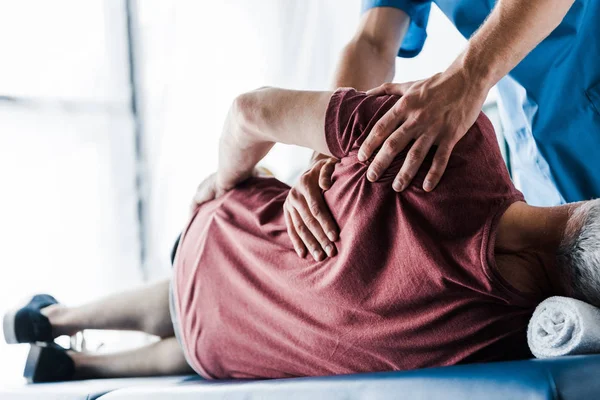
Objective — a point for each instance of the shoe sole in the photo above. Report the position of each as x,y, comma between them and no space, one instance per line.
48,363
31,364
8,325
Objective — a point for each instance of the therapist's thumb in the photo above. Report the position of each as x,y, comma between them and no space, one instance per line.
390,88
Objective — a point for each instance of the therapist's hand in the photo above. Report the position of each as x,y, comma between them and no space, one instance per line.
309,221
435,111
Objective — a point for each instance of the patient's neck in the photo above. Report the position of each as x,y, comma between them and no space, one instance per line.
527,242
528,228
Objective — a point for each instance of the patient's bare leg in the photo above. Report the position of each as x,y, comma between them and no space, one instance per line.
164,357
143,309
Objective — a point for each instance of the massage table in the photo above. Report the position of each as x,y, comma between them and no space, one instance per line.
564,378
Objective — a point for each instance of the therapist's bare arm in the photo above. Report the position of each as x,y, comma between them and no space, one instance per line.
366,61
439,110
369,58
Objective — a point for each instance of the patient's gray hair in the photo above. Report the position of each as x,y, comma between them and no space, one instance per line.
579,252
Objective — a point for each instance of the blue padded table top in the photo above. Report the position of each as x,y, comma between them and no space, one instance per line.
565,378
78,390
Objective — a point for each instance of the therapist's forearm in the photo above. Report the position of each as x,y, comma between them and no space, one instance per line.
369,59
363,65
513,29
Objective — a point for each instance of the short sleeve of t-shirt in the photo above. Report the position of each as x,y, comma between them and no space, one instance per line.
350,117
418,11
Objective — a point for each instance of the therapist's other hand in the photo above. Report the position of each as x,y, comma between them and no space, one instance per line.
308,219
435,111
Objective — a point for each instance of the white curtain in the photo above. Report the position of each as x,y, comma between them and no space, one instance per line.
68,223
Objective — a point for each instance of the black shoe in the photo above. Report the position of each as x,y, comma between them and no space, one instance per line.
49,363
27,324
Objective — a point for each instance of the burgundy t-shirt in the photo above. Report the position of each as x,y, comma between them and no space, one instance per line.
413,284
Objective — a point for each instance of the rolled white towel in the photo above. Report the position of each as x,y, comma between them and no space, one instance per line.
564,326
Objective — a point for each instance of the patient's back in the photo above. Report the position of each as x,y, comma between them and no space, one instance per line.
413,284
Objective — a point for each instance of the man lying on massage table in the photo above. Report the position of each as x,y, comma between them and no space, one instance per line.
414,280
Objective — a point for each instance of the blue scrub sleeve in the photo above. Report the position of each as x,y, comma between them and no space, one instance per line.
418,11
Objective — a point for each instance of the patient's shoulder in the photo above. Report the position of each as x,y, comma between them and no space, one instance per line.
350,117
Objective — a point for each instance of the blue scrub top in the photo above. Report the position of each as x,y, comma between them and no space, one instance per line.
551,100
